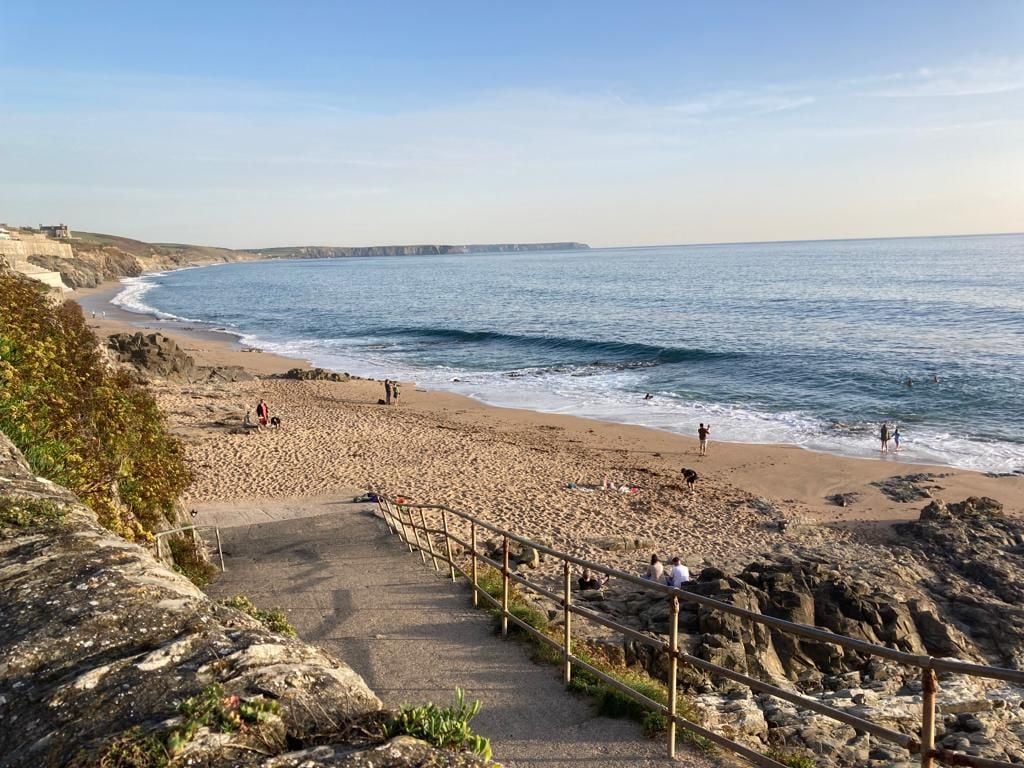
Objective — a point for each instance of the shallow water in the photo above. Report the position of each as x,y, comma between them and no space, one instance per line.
808,343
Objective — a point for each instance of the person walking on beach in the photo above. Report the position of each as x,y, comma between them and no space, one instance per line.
883,435
702,434
394,392
387,391
263,412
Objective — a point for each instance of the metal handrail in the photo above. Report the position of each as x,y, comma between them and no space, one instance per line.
220,549
399,519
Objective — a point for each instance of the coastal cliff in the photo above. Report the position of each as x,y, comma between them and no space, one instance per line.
332,252
109,658
88,259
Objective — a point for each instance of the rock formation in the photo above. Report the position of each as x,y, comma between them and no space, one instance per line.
154,355
101,646
952,588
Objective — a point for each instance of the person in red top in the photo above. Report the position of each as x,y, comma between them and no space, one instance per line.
263,412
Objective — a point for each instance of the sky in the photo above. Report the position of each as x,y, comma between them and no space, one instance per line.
252,124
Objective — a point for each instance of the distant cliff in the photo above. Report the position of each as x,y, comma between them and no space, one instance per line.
88,259
338,252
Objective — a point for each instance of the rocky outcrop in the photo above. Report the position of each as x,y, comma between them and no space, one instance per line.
154,355
976,557
314,374
953,587
104,649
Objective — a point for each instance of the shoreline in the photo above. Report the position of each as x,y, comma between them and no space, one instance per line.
512,465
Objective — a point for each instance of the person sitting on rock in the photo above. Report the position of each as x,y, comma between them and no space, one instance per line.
679,574
590,581
655,571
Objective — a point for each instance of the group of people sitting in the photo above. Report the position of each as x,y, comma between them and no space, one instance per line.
677,575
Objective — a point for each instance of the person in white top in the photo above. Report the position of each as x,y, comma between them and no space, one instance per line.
679,574
655,571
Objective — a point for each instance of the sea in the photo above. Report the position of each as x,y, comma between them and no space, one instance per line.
812,344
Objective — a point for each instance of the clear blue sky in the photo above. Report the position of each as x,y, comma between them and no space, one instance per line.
258,124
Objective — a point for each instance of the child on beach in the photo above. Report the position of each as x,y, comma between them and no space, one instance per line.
394,392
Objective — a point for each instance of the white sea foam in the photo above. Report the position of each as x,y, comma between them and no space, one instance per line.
614,397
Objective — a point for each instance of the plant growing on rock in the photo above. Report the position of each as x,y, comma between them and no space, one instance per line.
77,422
447,728
273,619
212,709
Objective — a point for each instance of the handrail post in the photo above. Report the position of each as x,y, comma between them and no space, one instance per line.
448,543
405,531
673,671
382,506
504,587
416,533
430,539
567,623
472,545
930,687
220,551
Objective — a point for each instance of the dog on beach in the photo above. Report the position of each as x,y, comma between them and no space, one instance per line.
690,477
275,422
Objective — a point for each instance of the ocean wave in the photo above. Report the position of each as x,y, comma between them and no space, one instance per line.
635,354
131,296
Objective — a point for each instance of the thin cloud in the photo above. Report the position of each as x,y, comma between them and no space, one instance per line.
948,82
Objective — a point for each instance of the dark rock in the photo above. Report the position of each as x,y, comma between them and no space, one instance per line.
152,354
905,488
843,499
314,374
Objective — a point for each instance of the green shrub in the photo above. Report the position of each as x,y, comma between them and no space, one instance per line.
446,728
189,561
273,619
30,513
78,423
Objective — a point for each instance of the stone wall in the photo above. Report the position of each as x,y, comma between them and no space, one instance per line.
101,643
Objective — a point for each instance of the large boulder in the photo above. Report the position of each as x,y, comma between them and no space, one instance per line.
153,355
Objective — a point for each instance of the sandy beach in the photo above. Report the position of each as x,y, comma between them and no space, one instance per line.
513,466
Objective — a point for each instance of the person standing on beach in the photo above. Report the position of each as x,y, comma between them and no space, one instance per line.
387,391
263,412
394,391
883,435
896,438
702,434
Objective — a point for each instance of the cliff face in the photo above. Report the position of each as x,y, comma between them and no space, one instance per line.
101,645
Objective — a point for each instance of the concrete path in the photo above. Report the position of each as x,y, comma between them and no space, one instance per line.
349,586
